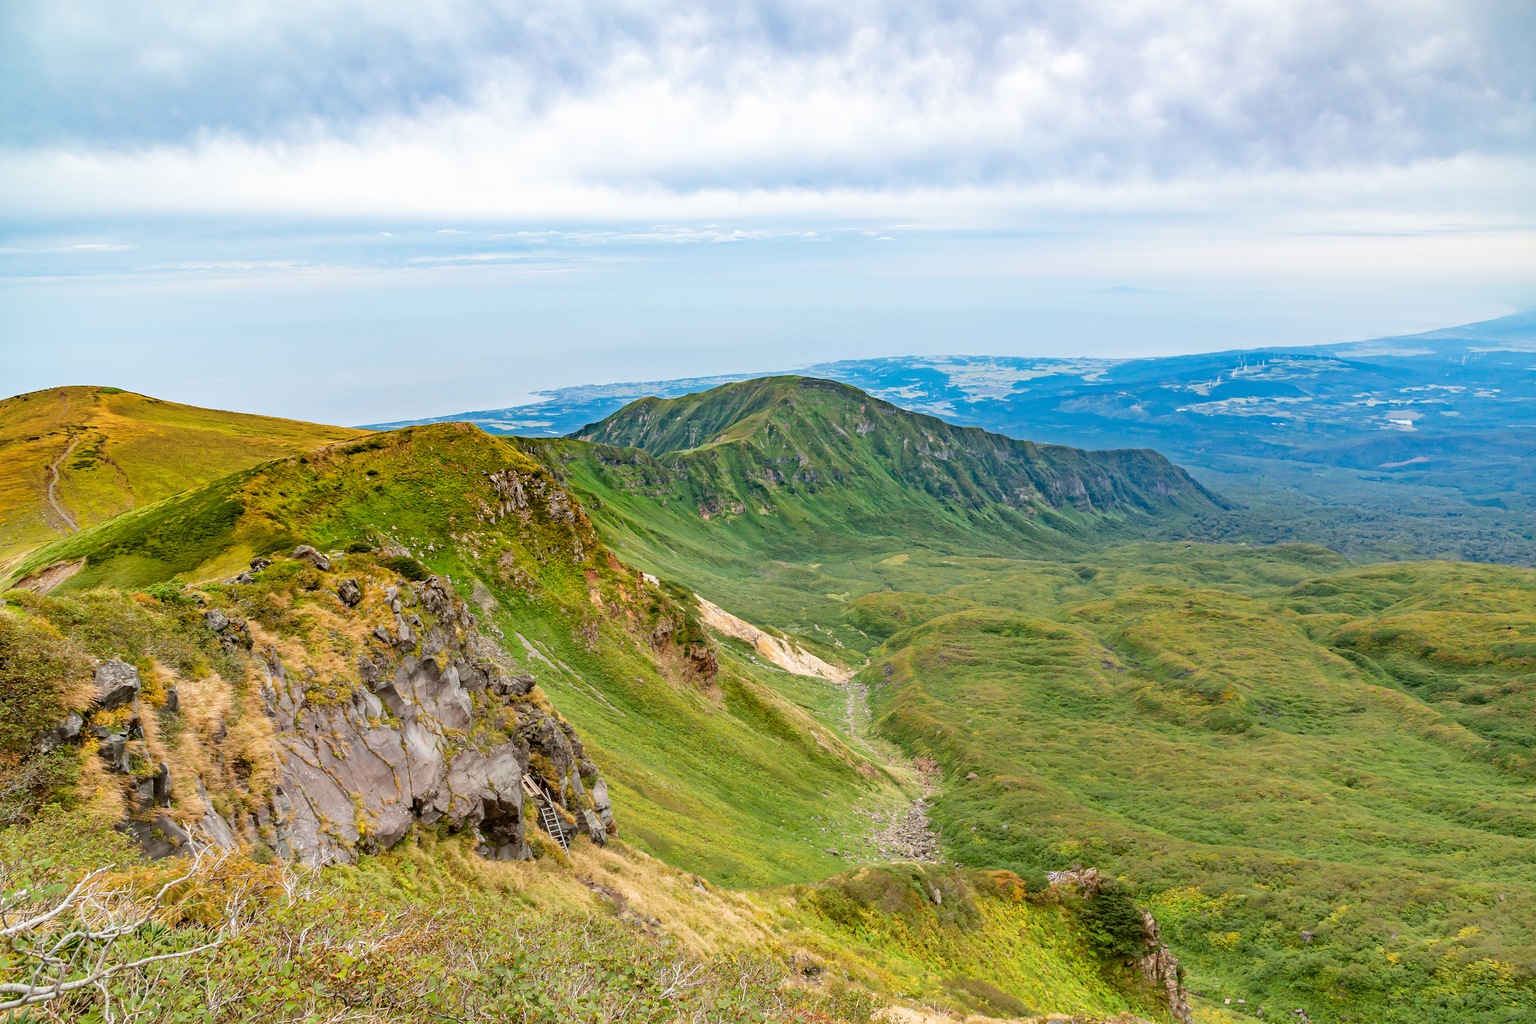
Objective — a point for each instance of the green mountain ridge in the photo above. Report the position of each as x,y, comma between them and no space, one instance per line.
777,432
1319,776
716,488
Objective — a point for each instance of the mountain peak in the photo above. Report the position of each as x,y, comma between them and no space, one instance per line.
761,443
729,412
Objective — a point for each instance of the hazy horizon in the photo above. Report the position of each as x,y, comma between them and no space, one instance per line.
369,212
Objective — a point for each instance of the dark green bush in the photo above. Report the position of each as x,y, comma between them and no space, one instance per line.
406,566
1113,923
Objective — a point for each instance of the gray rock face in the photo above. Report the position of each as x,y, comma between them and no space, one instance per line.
313,557
159,837
401,765
602,804
436,731
117,684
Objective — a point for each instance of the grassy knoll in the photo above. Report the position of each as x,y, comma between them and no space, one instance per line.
124,451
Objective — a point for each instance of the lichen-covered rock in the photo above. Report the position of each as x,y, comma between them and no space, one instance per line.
117,685
350,592
66,732
1160,968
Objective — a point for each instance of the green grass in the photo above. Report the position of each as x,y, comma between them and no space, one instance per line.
1265,731
129,451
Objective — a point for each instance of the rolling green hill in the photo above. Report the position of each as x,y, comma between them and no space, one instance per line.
74,456
1320,776
717,488
715,764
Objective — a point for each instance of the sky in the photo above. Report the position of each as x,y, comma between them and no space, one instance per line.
365,211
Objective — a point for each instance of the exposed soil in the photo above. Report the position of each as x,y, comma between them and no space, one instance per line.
53,482
904,833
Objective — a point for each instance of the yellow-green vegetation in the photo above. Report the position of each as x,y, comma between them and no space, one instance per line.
966,942
721,773
429,930
113,450
1318,775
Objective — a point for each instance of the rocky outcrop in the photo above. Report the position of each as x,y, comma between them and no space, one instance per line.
434,731
308,554
430,724
1160,968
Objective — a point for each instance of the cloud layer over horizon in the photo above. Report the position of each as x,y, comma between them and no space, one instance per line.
340,142
460,108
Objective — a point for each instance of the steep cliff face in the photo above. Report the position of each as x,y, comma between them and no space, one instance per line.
440,729
345,710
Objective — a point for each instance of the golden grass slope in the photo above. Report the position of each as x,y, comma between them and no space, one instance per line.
115,450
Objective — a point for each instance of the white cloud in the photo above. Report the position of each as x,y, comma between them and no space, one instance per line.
618,112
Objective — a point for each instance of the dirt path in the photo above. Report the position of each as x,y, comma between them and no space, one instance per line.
53,482
903,833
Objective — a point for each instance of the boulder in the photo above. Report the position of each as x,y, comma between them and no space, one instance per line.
308,554
216,620
258,563
117,684
67,731
513,686
350,592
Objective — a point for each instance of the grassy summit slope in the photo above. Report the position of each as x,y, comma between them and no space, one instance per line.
722,774
115,450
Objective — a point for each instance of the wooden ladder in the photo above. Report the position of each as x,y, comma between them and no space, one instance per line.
549,821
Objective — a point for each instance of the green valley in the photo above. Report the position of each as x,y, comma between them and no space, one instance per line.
969,722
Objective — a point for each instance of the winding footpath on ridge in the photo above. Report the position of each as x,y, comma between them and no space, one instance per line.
53,481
